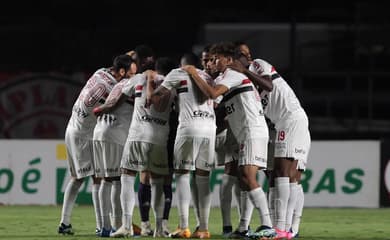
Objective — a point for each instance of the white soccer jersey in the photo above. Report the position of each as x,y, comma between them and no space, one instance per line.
147,125
242,105
97,88
281,104
195,112
114,126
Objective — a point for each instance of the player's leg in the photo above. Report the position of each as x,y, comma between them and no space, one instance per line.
144,201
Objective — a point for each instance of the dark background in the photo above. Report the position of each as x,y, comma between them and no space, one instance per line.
345,98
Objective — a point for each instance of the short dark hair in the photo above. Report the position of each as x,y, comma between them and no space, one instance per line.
164,65
122,61
191,58
143,51
227,49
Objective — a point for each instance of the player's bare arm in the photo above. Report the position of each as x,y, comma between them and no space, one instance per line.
110,104
209,91
263,82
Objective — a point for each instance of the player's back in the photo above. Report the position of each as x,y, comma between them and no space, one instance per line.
94,92
148,124
195,110
114,126
281,104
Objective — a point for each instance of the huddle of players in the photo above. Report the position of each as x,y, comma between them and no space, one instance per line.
220,109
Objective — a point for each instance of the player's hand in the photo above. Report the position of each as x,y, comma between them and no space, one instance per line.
97,111
190,69
237,66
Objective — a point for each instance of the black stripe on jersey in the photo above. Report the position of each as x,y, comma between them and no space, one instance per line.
275,76
227,97
138,94
181,90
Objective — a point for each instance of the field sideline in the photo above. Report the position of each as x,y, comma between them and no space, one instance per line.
40,222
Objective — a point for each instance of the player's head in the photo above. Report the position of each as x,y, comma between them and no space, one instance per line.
164,65
123,66
208,63
190,59
224,54
144,55
243,48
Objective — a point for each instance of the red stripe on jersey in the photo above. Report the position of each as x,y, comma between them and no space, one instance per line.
183,82
138,88
273,69
246,81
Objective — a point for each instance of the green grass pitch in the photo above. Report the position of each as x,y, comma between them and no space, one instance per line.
40,222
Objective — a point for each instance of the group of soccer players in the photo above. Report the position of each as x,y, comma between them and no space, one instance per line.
156,119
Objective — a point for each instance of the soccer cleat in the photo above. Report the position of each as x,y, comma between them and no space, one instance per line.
122,232
281,234
181,233
238,235
97,232
136,230
200,234
165,228
146,229
293,234
160,234
65,229
226,231
105,232
262,232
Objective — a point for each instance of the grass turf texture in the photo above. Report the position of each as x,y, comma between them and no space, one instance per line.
41,222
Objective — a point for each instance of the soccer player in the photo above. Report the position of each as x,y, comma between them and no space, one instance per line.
109,137
292,142
145,149
246,119
79,134
194,145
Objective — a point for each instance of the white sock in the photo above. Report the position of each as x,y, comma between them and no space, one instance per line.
282,189
195,199
157,200
70,194
296,220
203,185
105,203
127,199
292,202
237,195
225,198
183,198
116,204
271,204
246,209
96,205
259,201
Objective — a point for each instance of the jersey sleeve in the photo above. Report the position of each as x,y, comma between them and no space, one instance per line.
229,79
172,80
129,88
262,67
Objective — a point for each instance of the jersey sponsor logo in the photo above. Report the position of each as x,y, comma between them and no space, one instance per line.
151,119
302,151
260,159
203,114
183,82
